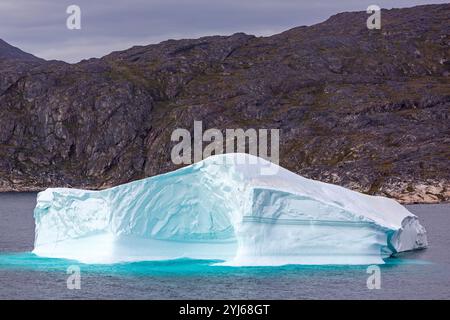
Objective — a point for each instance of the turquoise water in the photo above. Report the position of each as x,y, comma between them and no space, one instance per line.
420,274
30,276
180,267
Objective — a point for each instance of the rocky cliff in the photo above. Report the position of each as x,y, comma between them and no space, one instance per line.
366,109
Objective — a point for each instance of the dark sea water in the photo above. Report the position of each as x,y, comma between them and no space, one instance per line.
423,274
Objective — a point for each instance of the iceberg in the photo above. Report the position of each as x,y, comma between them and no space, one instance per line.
225,208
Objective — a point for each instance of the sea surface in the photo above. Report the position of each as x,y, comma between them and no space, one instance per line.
423,274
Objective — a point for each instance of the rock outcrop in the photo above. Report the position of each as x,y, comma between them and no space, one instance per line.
365,109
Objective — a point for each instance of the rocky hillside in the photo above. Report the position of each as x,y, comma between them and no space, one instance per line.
366,109
8,52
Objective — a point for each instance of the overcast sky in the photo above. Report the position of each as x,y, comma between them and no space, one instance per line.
39,26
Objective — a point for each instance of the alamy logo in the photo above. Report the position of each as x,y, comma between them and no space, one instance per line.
374,21
374,280
188,150
74,278
73,22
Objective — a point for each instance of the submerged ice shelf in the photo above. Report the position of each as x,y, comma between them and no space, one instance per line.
235,207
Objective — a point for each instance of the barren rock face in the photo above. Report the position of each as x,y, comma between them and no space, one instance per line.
366,109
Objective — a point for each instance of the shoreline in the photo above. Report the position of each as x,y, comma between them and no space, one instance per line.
37,190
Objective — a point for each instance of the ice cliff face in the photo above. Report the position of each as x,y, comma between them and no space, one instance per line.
224,208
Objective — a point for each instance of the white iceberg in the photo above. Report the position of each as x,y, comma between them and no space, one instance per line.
223,208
